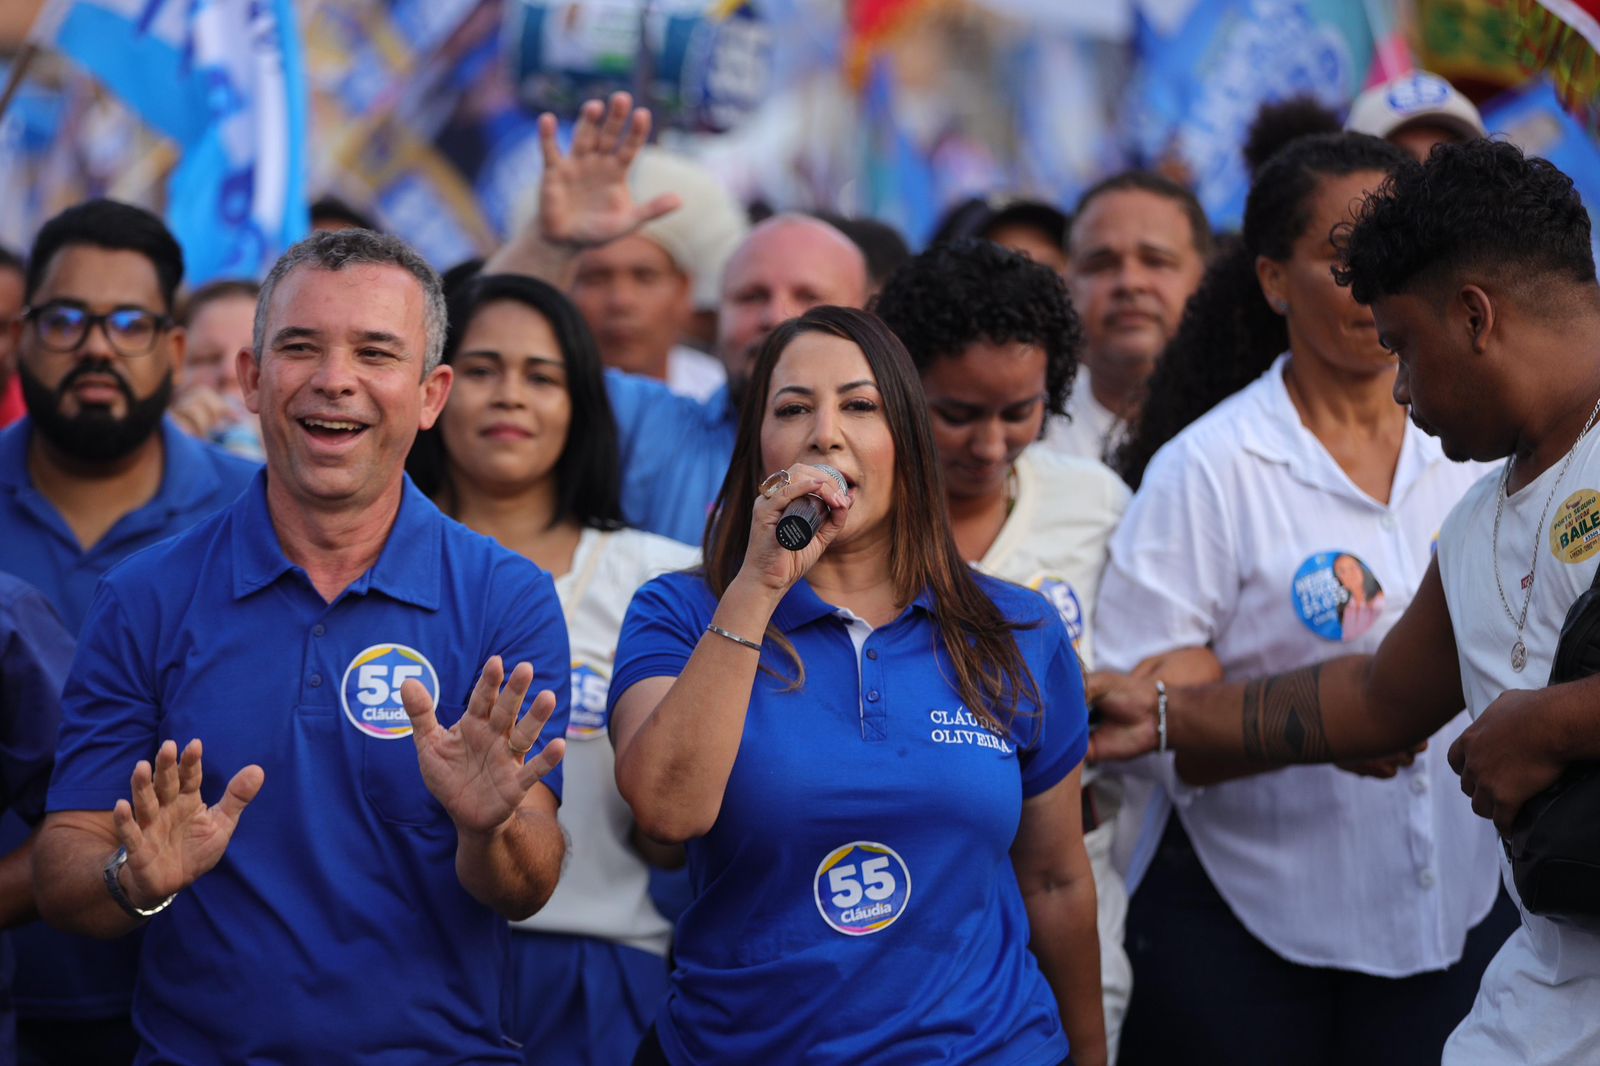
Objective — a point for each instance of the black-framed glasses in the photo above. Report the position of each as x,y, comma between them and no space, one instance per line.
132,331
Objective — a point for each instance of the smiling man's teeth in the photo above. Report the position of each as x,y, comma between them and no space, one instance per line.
322,423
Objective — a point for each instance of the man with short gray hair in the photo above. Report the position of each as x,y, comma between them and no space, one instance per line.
356,913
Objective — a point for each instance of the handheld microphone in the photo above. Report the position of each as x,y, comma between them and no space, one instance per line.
802,518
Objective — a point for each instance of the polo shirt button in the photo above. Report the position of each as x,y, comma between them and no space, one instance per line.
1419,784
1388,522
872,653
872,697
316,680
1425,879
318,629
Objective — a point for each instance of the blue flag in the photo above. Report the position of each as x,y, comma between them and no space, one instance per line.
224,80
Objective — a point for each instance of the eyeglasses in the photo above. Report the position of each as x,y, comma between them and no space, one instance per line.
132,331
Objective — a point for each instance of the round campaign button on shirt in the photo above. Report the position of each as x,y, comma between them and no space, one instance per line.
587,719
1337,596
370,691
862,888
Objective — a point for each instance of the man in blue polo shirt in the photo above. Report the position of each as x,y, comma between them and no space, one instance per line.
93,474
355,912
34,652
675,449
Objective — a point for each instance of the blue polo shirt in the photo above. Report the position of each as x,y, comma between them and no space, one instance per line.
855,900
34,652
196,481
67,976
334,929
675,453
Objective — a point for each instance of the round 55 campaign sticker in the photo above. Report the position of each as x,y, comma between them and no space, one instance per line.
862,888
370,691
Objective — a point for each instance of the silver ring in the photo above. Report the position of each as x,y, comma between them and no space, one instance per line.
775,483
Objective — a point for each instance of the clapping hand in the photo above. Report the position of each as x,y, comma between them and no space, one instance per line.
476,768
172,836
584,198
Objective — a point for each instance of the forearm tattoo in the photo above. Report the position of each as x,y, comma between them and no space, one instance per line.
1283,718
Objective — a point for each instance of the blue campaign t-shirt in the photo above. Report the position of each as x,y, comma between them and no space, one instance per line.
855,900
60,975
334,928
675,453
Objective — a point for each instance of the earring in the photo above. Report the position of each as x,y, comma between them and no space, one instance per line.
1281,306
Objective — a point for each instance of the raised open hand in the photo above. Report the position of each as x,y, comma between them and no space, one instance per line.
476,768
172,836
584,198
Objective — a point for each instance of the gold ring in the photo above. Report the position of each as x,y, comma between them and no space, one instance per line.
775,483
521,753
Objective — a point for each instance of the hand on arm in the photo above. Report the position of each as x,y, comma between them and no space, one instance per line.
1057,886
509,845
584,199
1348,708
173,839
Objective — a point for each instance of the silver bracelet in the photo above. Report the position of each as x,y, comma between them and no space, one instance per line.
736,638
1161,716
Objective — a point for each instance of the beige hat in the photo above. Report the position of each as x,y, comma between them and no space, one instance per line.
701,235
1418,97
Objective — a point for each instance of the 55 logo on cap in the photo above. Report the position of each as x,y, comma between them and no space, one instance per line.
370,692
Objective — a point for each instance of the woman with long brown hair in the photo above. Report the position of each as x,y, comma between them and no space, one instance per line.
872,753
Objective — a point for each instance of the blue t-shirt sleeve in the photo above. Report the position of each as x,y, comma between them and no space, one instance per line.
533,630
1061,737
35,653
109,717
659,633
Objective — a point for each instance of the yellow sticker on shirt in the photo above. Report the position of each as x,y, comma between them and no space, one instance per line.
1575,527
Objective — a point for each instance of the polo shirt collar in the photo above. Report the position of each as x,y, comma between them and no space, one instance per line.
189,480
1271,428
407,569
801,606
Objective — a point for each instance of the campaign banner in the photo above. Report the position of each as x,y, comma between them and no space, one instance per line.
1200,79
223,80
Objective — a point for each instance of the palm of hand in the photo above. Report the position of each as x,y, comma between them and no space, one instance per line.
585,201
185,839
472,772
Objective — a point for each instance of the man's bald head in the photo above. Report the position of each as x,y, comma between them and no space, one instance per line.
787,264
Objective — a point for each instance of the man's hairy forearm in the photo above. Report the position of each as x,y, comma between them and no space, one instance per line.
1282,718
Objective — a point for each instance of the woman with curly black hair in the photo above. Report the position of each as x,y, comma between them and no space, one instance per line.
995,341
1285,515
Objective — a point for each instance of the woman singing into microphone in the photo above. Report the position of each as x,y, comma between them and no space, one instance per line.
872,753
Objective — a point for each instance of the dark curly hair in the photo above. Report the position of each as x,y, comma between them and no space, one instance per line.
1282,121
1483,205
969,291
1228,335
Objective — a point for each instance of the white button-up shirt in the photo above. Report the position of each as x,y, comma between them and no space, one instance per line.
1539,1002
1248,536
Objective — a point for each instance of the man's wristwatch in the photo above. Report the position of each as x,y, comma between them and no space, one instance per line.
114,867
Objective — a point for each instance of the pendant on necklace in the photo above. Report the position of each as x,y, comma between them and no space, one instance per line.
1519,656
1527,579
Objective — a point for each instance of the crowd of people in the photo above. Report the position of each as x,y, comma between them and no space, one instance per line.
400,666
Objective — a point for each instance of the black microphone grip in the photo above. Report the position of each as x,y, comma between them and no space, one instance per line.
802,518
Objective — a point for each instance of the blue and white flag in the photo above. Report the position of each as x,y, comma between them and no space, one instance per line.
224,80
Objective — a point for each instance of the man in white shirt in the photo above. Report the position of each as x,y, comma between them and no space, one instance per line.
1478,270
1136,253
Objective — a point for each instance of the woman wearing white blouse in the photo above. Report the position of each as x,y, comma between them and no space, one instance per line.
1308,915
525,451
995,341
